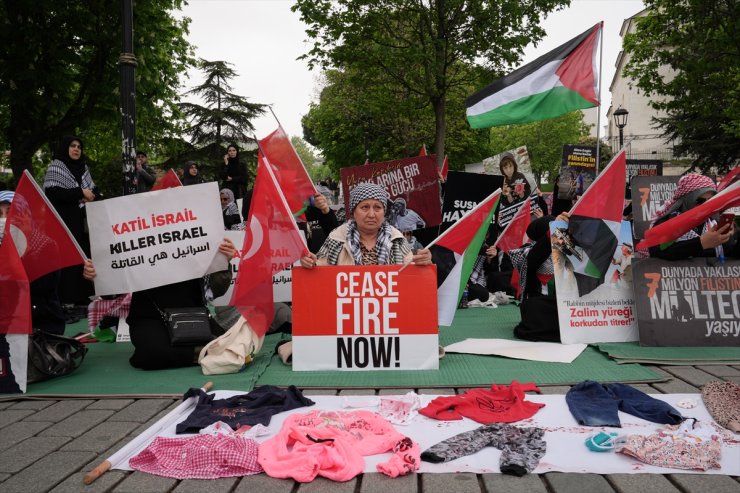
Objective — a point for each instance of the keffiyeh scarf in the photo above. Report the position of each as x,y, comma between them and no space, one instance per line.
58,175
382,244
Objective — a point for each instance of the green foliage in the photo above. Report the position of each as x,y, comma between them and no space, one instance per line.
59,75
544,140
700,42
421,53
224,117
361,110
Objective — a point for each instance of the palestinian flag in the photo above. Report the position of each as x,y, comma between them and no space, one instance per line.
455,251
561,81
594,225
169,180
514,234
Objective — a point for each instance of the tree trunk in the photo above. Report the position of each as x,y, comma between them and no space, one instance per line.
440,128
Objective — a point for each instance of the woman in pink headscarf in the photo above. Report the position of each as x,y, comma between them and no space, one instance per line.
706,240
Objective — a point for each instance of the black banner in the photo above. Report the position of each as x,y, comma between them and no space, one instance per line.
693,302
644,167
649,193
463,192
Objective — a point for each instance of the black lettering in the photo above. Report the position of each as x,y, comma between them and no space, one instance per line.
362,358
381,348
344,352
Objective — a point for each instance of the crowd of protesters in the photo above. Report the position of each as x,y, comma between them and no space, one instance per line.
367,237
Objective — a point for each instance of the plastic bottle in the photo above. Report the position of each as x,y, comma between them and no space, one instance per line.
464,300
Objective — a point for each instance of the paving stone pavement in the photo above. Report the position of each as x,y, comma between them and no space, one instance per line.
47,445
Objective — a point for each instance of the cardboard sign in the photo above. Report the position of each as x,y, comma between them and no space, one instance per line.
607,313
582,162
649,193
693,302
518,184
355,318
413,186
282,282
644,167
156,238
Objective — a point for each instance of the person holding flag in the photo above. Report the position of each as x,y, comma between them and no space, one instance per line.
705,240
366,239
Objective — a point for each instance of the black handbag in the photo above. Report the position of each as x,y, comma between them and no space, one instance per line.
189,326
51,355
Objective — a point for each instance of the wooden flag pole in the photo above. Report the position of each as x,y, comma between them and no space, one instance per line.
144,438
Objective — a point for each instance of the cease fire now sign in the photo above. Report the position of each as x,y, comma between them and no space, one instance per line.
354,318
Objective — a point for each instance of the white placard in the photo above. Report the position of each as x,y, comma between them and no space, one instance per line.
156,238
282,282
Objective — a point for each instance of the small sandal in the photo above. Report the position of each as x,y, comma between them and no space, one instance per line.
603,442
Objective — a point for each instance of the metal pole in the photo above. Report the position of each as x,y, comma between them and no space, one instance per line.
621,138
598,111
127,66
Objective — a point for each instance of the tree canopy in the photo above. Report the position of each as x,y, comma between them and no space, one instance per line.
59,73
700,42
425,48
224,117
544,140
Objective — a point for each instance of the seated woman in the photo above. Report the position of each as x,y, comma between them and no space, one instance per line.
533,261
706,240
366,239
149,335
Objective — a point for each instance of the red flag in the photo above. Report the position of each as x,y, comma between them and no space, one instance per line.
15,293
515,233
445,168
604,199
42,239
169,180
423,150
676,227
272,243
289,170
729,178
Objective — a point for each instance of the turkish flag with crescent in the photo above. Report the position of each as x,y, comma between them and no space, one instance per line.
272,243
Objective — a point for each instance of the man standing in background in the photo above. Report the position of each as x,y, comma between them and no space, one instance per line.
145,176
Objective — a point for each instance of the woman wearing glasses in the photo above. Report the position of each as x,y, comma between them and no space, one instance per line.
69,186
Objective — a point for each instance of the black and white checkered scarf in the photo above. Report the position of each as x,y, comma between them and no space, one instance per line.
382,244
518,258
58,175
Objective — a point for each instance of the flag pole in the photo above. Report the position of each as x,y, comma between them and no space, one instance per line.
598,112
145,437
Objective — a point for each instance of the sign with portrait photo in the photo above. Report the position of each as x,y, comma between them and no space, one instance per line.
519,183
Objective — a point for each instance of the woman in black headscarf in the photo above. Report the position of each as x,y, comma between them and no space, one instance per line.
234,174
69,186
191,175
534,262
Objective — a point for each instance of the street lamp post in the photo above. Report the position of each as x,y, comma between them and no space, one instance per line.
127,66
620,120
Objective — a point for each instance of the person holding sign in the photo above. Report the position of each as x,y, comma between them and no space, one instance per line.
366,239
516,187
153,349
707,240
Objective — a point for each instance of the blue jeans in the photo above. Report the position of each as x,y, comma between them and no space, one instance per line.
596,404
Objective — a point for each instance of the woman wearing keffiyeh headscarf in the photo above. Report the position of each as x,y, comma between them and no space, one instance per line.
229,209
366,239
69,186
706,240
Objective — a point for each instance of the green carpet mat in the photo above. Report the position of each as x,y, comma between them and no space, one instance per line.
106,371
632,352
466,370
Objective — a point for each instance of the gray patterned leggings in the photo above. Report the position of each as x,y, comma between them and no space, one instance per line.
521,448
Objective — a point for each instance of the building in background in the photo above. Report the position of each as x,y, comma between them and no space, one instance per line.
641,139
